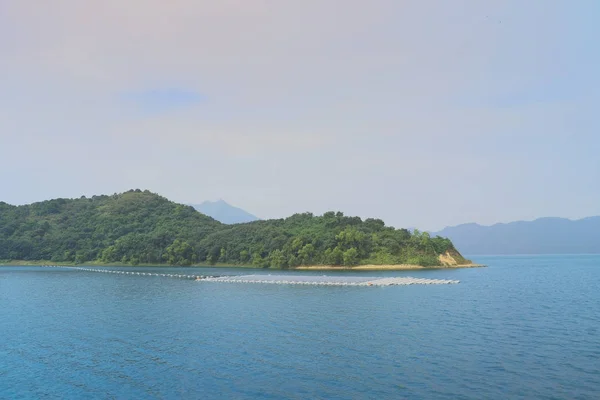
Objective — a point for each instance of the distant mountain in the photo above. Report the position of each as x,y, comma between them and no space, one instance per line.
224,212
542,236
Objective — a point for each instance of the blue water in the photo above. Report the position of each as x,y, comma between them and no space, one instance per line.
525,327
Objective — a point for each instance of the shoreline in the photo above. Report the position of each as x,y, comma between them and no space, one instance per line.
373,267
368,267
26,263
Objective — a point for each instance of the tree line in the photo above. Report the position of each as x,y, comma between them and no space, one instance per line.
141,227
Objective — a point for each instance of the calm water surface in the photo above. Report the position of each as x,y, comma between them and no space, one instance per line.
525,327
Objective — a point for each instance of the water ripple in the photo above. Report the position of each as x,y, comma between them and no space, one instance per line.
525,327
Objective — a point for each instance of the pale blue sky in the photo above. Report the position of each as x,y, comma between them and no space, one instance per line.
161,100
423,113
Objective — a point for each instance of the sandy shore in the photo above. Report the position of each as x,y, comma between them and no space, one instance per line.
398,267
370,267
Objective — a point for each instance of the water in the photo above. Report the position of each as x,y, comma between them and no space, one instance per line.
525,327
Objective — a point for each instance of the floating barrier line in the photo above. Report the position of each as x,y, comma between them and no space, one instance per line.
112,271
313,280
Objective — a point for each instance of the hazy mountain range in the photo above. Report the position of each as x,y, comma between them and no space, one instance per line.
224,212
542,236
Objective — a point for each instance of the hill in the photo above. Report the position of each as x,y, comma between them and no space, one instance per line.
542,236
330,239
131,227
142,227
224,212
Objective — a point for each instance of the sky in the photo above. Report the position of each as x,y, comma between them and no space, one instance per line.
423,113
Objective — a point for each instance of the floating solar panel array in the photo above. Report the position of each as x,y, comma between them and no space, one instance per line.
329,280
318,280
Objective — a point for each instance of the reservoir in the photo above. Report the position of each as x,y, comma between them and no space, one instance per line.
524,327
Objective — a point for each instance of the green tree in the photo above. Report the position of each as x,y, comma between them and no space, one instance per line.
277,259
109,255
79,258
335,257
244,256
258,260
293,261
351,257
353,238
306,254
179,253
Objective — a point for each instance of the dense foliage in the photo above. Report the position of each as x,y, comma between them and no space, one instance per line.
142,227
131,227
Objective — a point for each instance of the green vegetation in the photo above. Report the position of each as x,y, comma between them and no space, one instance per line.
143,228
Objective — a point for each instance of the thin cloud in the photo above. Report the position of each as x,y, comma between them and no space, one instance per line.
154,101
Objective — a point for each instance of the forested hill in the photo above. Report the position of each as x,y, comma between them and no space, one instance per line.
142,227
130,227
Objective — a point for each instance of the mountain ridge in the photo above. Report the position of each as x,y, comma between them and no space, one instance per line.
225,212
545,235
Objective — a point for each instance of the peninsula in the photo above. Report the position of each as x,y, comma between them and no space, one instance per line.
139,227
